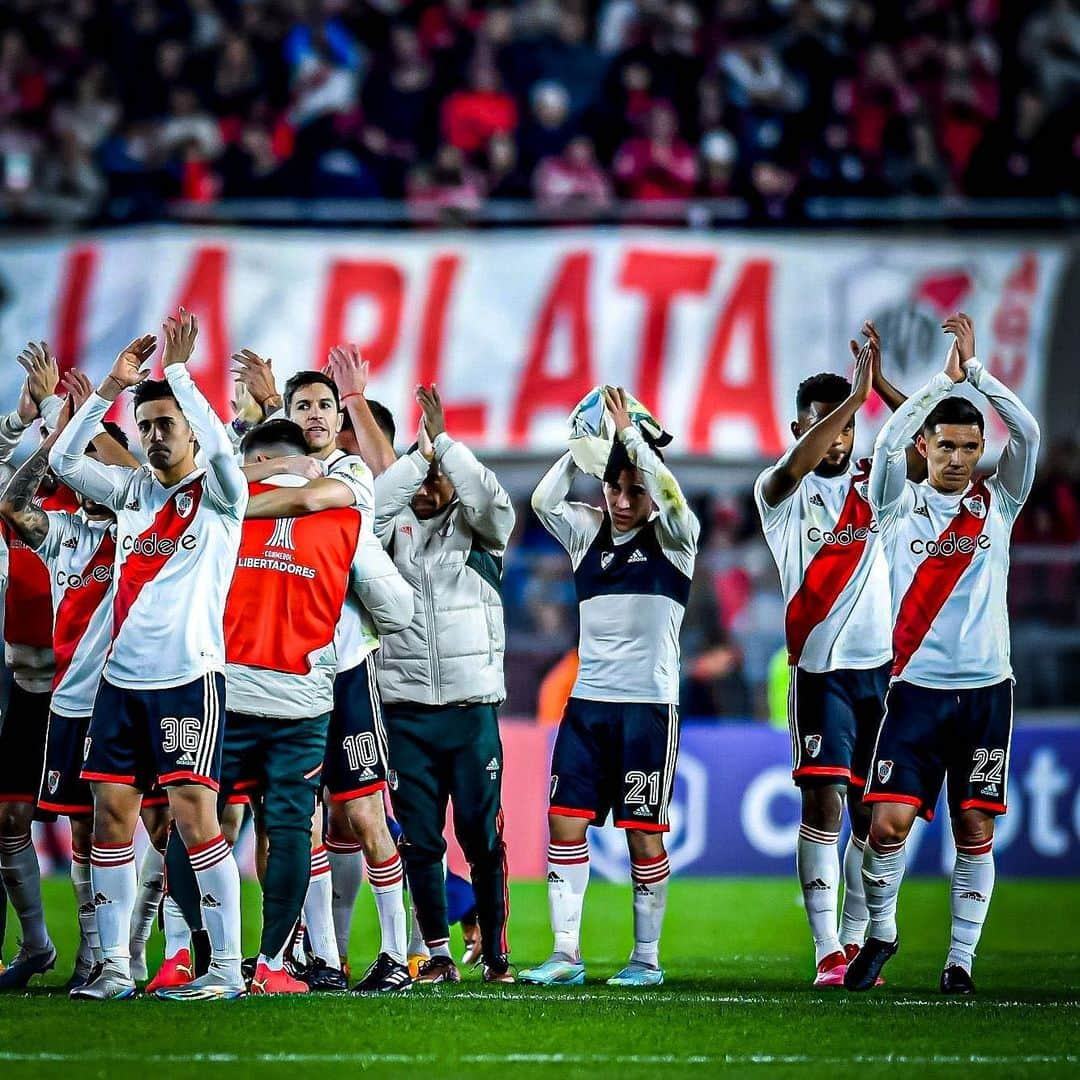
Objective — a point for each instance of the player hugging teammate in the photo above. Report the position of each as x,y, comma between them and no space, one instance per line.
303,622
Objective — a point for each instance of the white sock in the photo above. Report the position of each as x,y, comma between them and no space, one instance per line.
417,944
22,879
112,875
346,876
177,931
319,910
274,963
568,877
650,878
972,887
388,887
882,871
219,898
90,940
853,915
147,899
818,866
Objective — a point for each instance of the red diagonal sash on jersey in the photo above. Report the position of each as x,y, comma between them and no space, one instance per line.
139,569
828,572
934,582
74,612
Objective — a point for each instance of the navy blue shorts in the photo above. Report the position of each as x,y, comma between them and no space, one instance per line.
833,720
356,749
22,744
927,735
618,758
62,789
168,736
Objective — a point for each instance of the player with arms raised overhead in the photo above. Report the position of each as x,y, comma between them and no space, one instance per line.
816,516
160,710
619,738
949,705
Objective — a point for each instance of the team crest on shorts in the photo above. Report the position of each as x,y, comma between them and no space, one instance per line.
86,748
184,504
813,745
605,559
392,779
976,506
884,771
54,781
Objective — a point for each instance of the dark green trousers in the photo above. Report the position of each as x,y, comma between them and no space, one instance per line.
280,762
438,755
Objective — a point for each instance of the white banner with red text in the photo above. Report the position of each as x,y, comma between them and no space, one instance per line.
712,332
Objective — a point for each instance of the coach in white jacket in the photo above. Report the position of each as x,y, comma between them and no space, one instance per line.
445,521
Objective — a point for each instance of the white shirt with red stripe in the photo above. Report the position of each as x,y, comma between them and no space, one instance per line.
948,554
835,582
80,555
176,546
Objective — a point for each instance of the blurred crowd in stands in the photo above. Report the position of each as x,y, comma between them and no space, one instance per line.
733,635
572,103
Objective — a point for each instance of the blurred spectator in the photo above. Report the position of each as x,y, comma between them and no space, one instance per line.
573,179
449,188
659,165
473,115
1050,43
719,156
399,99
505,178
548,128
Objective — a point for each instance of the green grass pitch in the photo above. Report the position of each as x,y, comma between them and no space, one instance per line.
737,1001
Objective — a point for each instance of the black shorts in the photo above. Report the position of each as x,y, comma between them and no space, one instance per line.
356,750
927,735
167,736
62,789
615,757
22,745
833,720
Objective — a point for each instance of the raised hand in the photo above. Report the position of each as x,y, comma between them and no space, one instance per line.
423,441
615,400
349,372
42,375
962,327
257,375
432,407
862,380
244,406
127,369
180,334
77,387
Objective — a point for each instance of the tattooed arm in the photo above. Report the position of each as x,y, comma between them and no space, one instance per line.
27,521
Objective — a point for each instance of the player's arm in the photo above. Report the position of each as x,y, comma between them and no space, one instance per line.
297,465
484,501
225,482
323,493
350,374
395,488
573,524
105,484
788,473
376,583
29,523
42,375
888,473
893,398
1016,466
676,517
78,389
256,375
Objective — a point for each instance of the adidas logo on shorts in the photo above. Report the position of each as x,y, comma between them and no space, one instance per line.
642,811
367,774
185,759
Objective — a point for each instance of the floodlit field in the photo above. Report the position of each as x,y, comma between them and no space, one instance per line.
737,1001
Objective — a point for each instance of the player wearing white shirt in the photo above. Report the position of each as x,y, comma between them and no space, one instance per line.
159,712
949,705
618,741
816,516
355,771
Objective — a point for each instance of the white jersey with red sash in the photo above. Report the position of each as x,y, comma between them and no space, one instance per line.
948,557
286,598
835,582
80,555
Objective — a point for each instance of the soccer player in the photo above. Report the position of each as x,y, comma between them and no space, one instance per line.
28,653
619,738
817,520
159,711
355,772
949,706
78,550
446,521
